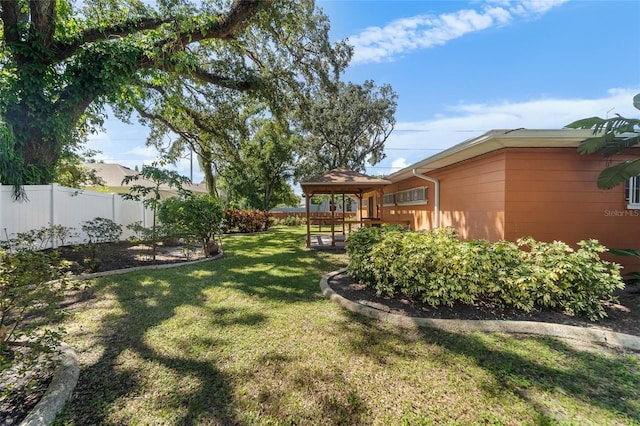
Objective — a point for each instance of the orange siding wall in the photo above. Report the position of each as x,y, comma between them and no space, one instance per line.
472,196
551,194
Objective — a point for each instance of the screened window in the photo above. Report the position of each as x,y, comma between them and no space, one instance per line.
389,199
411,196
633,192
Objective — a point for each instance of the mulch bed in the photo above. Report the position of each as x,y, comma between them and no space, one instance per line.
622,317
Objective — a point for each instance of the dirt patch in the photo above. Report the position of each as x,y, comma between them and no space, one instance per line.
622,317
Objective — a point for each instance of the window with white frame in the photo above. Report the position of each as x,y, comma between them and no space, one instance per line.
408,197
389,199
633,192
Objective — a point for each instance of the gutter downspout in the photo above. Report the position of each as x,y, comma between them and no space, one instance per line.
436,204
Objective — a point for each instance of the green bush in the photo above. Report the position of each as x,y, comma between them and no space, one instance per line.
291,221
100,230
246,220
198,217
40,239
437,268
29,301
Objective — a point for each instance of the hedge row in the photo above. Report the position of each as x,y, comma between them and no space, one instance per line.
437,268
246,220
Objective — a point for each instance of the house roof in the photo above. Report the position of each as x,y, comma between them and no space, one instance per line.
341,180
494,140
113,174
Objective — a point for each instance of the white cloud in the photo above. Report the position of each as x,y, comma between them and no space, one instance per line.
376,44
411,142
398,164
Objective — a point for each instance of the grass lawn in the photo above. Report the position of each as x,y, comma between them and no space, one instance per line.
249,340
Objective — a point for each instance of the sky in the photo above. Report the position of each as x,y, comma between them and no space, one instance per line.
462,68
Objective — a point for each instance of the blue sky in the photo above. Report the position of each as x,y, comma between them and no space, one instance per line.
461,68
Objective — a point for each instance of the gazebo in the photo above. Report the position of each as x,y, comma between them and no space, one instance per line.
343,182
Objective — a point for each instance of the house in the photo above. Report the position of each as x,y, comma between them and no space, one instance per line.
113,174
506,184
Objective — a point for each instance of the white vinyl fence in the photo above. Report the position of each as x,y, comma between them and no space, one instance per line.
49,205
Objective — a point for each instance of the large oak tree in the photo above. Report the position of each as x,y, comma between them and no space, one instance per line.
61,65
290,53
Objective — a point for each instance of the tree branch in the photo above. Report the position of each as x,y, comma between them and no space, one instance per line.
226,25
218,80
122,29
157,117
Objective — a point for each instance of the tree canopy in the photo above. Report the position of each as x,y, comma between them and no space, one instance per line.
258,176
346,126
61,64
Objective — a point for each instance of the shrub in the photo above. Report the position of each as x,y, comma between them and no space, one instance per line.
144,235
437,268
196,217
42,238
290,221
29,299
100,230
246,220
575,280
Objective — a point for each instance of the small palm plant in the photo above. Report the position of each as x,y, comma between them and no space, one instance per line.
612,136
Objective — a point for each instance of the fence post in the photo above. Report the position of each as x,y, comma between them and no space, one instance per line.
53,216
113,207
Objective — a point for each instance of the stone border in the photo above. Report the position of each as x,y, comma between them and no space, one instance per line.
592,335
64,380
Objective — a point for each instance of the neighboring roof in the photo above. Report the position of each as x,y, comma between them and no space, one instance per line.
341,180
113,174
492,141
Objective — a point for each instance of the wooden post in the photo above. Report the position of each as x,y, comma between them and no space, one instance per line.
344,232
307,201
332,207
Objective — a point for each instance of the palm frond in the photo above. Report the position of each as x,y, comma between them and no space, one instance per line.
619,144
625,252
586,123
614,175
591,145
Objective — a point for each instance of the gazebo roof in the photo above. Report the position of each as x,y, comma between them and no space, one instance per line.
341,181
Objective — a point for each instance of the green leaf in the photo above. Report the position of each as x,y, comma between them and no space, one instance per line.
625,252
591,145
619,144
587,123
614,175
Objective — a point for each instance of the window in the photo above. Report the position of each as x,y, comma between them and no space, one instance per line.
411,196
633,192
389,199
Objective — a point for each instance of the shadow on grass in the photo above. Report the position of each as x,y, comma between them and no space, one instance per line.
269,265
527,367
146,302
